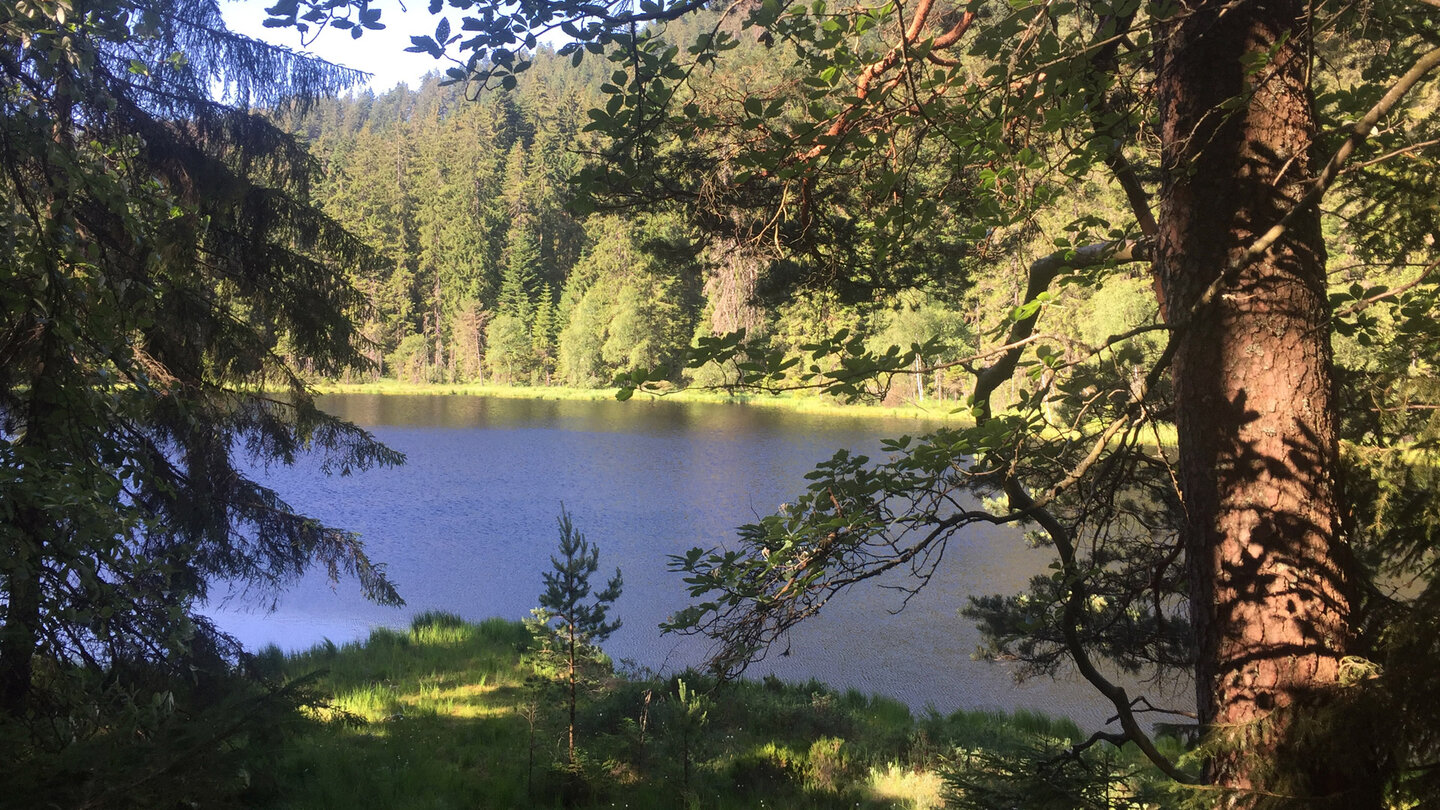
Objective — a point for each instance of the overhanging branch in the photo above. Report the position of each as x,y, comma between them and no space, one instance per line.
1043,271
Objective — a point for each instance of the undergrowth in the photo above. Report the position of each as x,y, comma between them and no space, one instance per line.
447,715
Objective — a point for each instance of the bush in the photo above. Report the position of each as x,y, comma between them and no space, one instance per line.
769,770
828,768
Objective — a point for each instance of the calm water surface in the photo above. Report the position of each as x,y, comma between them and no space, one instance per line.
468,524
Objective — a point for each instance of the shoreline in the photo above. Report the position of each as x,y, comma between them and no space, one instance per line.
462,705
949,411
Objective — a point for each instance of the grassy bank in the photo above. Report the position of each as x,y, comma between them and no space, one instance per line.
799,403
441,716
951,412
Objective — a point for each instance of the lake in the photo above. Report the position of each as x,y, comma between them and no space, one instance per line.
468,526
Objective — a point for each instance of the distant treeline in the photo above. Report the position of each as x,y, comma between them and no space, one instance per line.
485,273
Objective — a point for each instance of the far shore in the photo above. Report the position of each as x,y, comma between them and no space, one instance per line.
949,410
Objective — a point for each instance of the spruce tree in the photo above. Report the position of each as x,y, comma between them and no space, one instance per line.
542,332
519,282
158,246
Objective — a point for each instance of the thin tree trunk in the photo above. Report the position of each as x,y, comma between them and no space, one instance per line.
530,760
20,633
1270,597
44,437
572,696
438,314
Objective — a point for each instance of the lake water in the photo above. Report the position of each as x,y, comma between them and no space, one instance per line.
468,526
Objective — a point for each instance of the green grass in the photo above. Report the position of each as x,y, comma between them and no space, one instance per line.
418,719
435,717
949,411
795,402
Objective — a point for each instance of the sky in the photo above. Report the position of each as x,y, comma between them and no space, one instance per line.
379,52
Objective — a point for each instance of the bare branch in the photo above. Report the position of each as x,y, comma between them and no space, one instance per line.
1405,150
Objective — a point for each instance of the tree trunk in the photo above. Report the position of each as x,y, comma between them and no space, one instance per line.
43,437
572,696
35,530
19,634
1270,595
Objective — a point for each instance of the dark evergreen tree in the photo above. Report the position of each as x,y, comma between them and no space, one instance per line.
158,245
520,283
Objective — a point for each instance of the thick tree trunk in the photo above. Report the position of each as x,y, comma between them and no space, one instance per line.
1270,596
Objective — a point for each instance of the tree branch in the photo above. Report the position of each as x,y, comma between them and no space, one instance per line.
1074,605
1366,303
1404,150
1358,133
865,83
1042,272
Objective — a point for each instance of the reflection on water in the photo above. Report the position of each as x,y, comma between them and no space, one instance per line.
467,526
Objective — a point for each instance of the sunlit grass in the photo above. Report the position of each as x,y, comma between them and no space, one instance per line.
906,787
440,716
424,718
796,402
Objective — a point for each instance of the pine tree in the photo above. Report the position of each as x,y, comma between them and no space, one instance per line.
518,284
570,623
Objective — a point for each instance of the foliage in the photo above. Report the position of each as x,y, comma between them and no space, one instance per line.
463,204
468,204
570,623
884,146
160,251
507,348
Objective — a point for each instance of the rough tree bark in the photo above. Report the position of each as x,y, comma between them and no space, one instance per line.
1270,596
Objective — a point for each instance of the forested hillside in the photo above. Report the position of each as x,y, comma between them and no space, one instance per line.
489,275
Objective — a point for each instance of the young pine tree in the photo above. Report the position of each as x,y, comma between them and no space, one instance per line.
571,622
